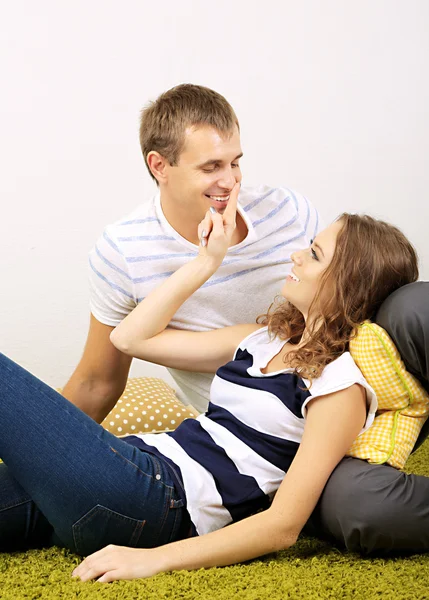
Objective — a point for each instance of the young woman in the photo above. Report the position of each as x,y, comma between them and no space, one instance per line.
286,404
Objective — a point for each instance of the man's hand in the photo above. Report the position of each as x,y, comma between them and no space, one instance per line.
215,231
119,562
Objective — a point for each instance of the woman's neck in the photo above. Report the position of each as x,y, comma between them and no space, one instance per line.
311,325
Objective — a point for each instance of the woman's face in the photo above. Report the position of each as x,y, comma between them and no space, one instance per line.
308,266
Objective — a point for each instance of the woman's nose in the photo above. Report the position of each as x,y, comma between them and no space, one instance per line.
296,258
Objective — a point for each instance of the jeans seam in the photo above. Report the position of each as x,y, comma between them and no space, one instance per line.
175,527
169,489
15,504
167,509
157,464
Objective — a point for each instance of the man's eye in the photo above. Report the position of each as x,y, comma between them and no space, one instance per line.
210,170
235,165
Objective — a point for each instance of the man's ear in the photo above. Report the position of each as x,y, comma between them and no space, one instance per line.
157,165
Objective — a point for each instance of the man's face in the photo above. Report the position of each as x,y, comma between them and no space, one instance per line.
207,170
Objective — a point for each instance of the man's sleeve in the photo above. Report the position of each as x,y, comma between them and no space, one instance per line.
111,286
309,217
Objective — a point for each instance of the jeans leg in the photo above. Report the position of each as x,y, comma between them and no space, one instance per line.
405,317
93,488
22,525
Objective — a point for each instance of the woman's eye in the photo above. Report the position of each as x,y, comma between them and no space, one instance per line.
313,254
235,165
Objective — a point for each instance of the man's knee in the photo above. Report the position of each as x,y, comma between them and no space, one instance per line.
405,317
405,306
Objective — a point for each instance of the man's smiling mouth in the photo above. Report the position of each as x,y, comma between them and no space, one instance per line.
218,198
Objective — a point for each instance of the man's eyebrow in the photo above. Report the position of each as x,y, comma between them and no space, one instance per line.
215,161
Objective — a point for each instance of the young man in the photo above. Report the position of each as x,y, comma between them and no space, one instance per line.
191,145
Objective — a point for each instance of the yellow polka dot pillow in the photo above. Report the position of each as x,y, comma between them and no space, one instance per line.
148,404
403,404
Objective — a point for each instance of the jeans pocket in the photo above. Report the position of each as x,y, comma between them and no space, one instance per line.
102,526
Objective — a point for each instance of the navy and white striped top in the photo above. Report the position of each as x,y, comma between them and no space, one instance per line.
139,252
232,460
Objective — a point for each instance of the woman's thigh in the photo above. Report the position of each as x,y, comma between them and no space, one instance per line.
93,488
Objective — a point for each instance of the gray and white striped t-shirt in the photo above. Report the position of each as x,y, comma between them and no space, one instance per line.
137,253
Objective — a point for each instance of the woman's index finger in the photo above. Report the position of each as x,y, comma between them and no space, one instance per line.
231,209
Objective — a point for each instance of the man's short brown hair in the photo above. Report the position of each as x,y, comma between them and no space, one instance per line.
163,122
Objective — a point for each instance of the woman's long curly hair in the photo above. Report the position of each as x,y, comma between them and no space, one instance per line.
371,260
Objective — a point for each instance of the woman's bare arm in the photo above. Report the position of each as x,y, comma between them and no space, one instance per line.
144,334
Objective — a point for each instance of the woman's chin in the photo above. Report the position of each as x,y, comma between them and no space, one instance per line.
294,302
287,295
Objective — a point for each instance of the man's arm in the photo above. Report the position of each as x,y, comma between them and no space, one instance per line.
101,375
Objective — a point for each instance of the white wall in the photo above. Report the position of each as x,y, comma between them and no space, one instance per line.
332,97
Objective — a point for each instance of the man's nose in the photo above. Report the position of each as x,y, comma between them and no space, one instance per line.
227,179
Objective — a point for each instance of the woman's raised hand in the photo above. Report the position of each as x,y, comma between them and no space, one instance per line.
215,230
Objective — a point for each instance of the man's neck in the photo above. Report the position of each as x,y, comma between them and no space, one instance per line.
188,227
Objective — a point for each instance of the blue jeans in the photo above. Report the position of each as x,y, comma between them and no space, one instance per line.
67,481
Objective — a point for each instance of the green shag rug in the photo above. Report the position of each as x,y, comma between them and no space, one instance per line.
310,570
